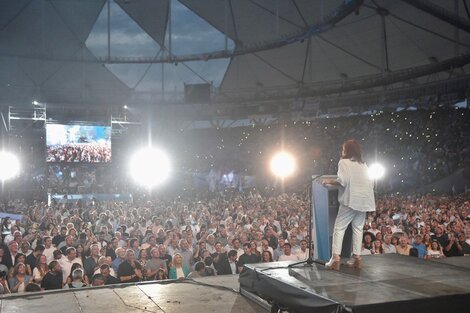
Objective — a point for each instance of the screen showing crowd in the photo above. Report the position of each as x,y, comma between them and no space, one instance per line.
78,143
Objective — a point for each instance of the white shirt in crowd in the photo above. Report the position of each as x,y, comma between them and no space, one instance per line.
233,267
395,229
111,272
227,248
260,250
66,265
302,255
389,248
49,253
291,257
373,231
36,274
366,252
8,239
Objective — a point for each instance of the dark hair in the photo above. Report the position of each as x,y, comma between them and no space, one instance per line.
162,273
208,261
32,287
414,252
69,250
199,266
74,267
270,255
287,244
97,277
133,240
438,244
232,253
52,265
352,150
19,255
39,248
246,244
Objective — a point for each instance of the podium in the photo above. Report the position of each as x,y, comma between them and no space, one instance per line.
324,208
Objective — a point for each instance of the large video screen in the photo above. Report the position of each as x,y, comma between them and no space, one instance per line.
78,143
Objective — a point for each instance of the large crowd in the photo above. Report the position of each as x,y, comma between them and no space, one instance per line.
417,148
69,245
189,234
79,153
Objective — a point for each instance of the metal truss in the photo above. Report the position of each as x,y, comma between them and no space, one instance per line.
326,24
120,123
255,112
441,13
37,113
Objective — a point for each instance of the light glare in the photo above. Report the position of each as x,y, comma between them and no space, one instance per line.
9,165
283,164
376,171
149,167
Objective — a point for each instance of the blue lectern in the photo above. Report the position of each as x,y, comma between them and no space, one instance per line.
324,210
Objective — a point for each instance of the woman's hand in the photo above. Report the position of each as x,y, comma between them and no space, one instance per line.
138,273
332,182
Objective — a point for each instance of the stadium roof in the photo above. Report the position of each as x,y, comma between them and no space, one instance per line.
99,52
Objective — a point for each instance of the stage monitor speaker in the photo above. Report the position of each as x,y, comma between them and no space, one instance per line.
197,93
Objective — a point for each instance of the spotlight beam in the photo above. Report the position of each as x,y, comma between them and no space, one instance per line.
150,167
376,171
9,166
283,164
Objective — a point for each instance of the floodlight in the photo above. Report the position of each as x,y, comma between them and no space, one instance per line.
283,164
376,171
150,167
9,165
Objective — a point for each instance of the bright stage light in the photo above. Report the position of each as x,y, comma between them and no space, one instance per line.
9,165
283,164
376,171
150,167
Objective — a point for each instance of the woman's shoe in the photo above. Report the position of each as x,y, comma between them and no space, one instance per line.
333,264
355,262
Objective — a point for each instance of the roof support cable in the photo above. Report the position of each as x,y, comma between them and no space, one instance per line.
466,8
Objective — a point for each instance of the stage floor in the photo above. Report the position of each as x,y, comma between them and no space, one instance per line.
170,297
386,283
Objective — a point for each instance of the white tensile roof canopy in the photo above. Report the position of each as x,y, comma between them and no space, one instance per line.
99,52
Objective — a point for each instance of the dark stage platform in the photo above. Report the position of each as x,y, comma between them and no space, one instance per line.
386,283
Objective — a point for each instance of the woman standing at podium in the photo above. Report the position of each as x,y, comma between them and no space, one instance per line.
355,197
